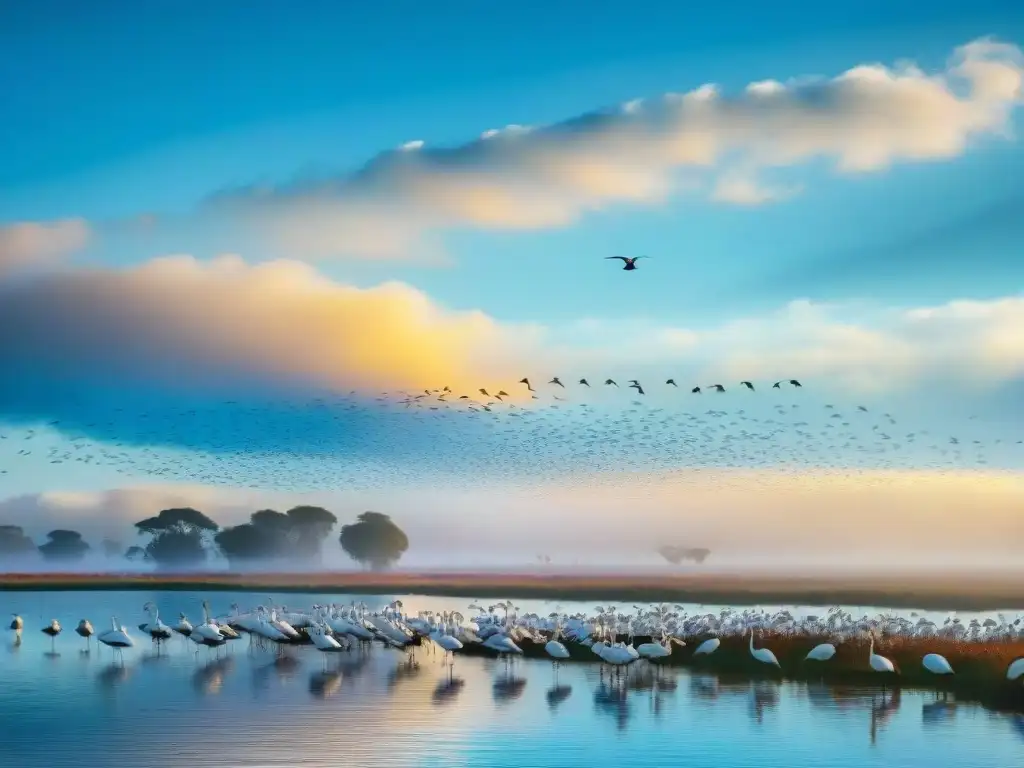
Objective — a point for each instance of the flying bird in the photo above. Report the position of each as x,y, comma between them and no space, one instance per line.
636,385
556,381
748,385
609,381
527,383
672,382
630,262
584,382
716,387
695,390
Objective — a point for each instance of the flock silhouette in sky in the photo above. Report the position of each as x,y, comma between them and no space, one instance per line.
566,434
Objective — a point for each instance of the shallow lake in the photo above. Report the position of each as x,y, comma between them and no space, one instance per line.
242,707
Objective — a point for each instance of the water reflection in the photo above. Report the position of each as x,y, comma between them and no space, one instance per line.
384,711
883,710
508,688
112,675
764,695
612,699
209,678
324,684
447,690
556,694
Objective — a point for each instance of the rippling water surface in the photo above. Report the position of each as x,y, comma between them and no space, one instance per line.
242,707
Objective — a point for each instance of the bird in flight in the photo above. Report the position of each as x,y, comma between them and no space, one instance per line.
672,382
716,387
794,382
608,382
556,381
527,383
695,390
748,385
629,261
584,382
636,385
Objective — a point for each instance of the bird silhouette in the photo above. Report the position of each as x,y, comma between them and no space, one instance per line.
584,382
672,382
636,385
695,390
556,381
630,262
611,382
717,387
527,383
748,385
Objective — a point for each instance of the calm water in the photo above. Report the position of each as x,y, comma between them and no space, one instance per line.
383,708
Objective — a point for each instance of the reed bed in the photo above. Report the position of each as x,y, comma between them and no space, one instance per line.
979,666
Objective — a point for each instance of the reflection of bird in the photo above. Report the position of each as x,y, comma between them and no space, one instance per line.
628,261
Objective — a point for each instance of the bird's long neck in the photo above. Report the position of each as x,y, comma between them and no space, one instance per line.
751,638
871,648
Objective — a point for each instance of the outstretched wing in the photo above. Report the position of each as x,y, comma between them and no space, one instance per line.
618,257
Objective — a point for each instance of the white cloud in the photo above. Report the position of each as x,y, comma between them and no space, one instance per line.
31,244
185,323
863,120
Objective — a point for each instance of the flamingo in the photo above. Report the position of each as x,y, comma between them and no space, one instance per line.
555,649
821,652
116,637
155,628
937,664
764,655
879,663
16,623
84,629
708,647
449,643
1016,669
53,629
183,627
662,650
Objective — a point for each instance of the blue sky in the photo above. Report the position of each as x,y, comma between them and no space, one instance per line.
115,110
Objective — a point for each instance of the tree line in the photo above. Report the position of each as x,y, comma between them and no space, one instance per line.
185,538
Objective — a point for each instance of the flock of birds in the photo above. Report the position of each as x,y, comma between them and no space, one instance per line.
490,436
499,628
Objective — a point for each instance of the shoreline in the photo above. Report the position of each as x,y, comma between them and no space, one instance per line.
947,592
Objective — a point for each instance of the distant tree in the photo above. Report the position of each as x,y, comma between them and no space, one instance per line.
178,536
295,535
311,526
136,554
14,542
250,542
374,540
64,545
676,555
112,548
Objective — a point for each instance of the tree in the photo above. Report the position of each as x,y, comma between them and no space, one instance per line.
374,540
178,536
136,554
112,548
14,542
297,534
64,545
311,525
250,542
676,555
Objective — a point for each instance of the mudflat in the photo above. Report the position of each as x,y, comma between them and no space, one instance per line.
940,592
